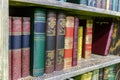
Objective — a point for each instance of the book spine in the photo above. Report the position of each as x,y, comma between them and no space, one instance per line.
98,3
110,5
92,3
101,73
68,42
111,75
62,0
109,39
75,43
118,5
107,5
74,1
88,39
104,4
89,76
25,47
106,72
10,44
16,47
83,2
114,5
50,41
80,40
38,42
116,71
95,75
59,56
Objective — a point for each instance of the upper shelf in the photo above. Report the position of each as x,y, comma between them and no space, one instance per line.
76,9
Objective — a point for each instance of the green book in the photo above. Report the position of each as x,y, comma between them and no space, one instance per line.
38,42
111,75
95,75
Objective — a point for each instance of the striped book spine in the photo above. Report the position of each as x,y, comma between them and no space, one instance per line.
118,5
114,5
104,4
88,39
38,39
80,40
16,47
98,3
50,41
75,42
10,44
111,5
107,5
59,56
83,2
101,73
92,3
68,42
95,75
25,47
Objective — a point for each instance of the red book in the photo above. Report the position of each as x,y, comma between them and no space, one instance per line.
25,47
75,43
88,39
16,47
68,42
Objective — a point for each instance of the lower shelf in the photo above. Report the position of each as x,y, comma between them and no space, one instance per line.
85,65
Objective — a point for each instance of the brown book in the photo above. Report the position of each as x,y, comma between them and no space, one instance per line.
59,59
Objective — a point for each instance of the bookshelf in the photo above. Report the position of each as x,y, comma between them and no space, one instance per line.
95,62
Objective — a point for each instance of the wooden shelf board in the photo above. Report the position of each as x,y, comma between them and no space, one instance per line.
85,65
69,7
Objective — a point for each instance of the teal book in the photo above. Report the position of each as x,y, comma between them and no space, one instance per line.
38,39
111,74
114,5
62,0
118,5
85,2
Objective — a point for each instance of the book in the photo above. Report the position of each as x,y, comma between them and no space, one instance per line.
84,2
86,76
25,46
118,5
50,41
80,41
62,0
106,72
10,45
111,74
101,73
116,71
111,5
102,37
16,47
98,3
114,5
38,41
74,1
91,3
68,45
75,42
60,34
104,4
87,48
95,75
108,5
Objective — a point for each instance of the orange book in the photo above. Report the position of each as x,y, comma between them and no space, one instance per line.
68,42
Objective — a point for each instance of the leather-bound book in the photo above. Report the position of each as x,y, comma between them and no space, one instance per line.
16,47
50,41
98,3
69,29
75,42
38,42
60,34
25,47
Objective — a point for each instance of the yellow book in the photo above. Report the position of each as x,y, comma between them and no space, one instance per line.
108,5
80,40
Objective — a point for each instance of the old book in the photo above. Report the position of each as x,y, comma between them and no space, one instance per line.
68,42
98,3
108,5
60,34
92,3
104,4
75,42
95,75
50,41
25,46
38,42
10,45
101,73
84,2
102,37
16,47
80,42
87,48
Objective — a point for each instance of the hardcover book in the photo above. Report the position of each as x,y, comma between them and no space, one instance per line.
106,72
87,76
25,47
38,42
87,48
68,45
92,3
75,42
62,0
85,2
101,73
80,42
95,75
104,4
111,74
98,3
118,5
102,37
50,41
114,5
108,5
60,34
16,47
111,5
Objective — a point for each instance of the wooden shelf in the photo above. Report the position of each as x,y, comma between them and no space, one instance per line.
68,7
85,65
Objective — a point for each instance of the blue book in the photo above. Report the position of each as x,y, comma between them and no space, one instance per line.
118,5
92,3
84,2
114,5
